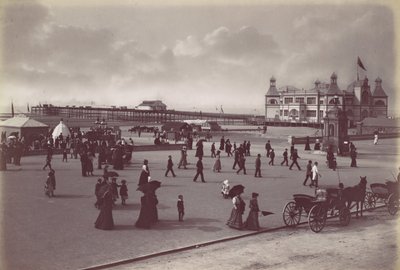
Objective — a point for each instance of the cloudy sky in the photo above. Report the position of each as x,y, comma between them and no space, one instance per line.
192,57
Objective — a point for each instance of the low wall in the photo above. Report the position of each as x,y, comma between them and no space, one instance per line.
161,147
136,148
352,138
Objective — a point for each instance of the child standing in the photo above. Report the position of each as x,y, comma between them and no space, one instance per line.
123,192
181,208
170,164
65,155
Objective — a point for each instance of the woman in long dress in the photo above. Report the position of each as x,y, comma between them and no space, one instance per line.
217,163
144,219
235,220
105,219
144,175
252,219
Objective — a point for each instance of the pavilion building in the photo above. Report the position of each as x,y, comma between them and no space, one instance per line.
310,106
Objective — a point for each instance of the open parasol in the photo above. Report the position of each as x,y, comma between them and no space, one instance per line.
266,213
149,186
235,190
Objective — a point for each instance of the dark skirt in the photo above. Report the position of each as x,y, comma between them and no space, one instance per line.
252,221
144,219
235,220
105,219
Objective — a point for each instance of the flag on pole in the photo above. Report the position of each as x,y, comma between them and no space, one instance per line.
222,111
12,109
360,64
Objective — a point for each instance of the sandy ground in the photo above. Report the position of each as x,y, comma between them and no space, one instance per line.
35,229
358,246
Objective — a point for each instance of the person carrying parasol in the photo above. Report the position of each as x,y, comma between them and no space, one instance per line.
148,210
105,219
235,220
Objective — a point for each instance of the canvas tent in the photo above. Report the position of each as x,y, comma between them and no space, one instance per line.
61,128
23,127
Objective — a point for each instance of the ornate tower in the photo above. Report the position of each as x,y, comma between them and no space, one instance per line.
272,101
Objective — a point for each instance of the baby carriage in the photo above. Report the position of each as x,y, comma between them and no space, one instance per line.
225,189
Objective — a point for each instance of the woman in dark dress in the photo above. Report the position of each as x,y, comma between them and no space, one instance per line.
199,150
252,219
105,219
144,175
152,203
144,219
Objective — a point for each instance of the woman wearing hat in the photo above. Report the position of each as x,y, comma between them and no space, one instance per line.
252,219
105,219
144,175
235,220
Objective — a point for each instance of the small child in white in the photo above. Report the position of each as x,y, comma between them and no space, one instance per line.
181,207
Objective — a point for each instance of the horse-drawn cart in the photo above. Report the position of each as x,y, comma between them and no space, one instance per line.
316,208
387,193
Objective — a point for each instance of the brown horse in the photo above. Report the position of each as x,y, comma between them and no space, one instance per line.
356,194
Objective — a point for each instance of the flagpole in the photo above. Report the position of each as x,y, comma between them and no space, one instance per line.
357,72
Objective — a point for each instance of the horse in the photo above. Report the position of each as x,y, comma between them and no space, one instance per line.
356,194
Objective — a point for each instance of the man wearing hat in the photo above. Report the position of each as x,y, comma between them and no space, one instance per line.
170,164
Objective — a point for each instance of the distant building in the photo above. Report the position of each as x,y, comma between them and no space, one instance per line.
292,104
154,105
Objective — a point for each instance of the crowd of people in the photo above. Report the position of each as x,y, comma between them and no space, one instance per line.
116,153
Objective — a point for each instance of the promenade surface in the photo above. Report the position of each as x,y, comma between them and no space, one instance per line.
38,232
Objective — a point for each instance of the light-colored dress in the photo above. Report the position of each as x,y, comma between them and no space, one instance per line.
217,164
235,220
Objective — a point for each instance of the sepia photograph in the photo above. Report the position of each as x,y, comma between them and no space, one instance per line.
233,135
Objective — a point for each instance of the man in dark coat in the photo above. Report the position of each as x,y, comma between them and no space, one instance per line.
170,164
285,158
295,156
236,158
353,156
84,163
242,164
308,172
199,166
272,157
268,147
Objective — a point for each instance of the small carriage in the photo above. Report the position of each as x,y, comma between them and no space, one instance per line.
328,200
387,193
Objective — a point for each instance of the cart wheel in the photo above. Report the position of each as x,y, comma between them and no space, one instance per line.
369,201
317,218
344,216
291,214
393,204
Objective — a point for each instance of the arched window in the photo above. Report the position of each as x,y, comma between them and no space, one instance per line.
294,112
273,101
379,103
365,98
